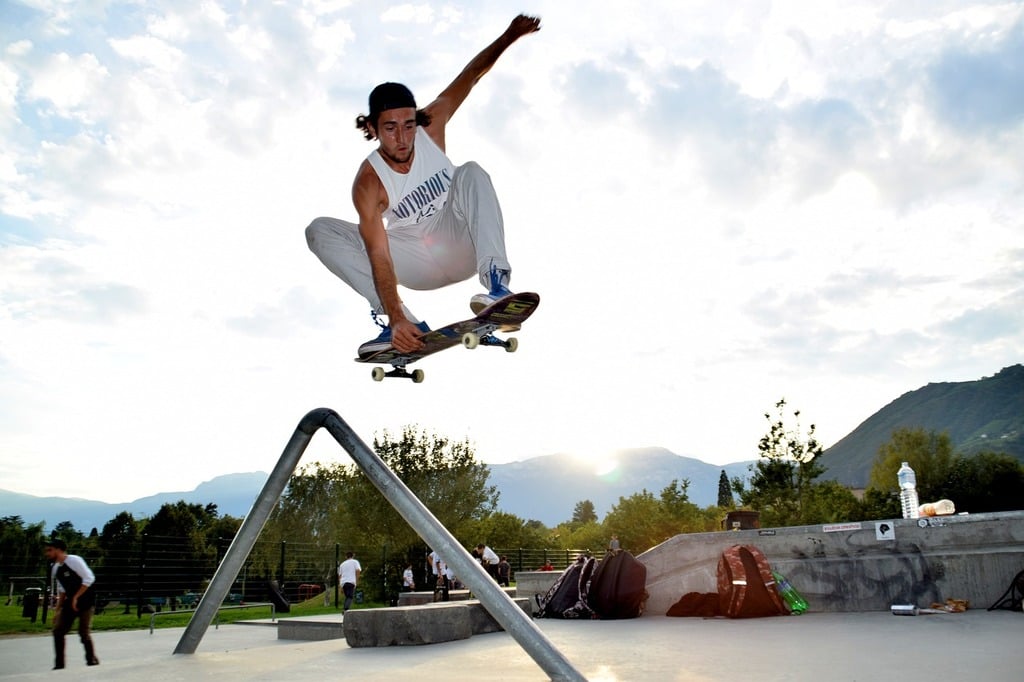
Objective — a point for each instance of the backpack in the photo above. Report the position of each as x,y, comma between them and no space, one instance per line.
746,587
617,587
696,605
1013,598
567,598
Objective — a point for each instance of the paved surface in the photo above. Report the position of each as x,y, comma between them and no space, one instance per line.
976,645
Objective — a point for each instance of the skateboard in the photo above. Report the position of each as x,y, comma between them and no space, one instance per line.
505,315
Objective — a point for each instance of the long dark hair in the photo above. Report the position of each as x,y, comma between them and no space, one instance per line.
363,122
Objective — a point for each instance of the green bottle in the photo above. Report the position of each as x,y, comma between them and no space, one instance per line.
794,601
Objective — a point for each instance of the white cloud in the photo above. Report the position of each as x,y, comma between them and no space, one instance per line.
408,13
68,82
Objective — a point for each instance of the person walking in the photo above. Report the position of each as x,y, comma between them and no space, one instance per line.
76,598
348,576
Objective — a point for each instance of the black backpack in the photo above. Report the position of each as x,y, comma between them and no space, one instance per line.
617,589
567,598
1013,598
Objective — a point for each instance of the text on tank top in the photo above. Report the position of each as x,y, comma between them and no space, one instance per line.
421,193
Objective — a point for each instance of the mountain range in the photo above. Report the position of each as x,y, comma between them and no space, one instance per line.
545,488
986,414
232,493
982,415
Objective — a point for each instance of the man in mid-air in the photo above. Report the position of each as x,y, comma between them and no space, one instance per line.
443,222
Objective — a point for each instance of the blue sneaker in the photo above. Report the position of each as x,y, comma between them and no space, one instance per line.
383,340
499,278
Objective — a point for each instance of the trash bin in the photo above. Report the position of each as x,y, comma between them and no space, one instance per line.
741,520
30,603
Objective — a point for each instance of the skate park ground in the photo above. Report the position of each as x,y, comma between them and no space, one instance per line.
977,645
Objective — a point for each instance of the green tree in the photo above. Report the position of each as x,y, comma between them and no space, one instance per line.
643,520
724,491
21,547
66,531
444,474
928,453
119,543
832,502
782,479
986,482
338,503
639,521
584,512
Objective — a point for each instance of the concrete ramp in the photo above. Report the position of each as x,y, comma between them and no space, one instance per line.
864,566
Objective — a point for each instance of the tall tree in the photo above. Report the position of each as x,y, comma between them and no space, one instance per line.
782,479
724,491
584,512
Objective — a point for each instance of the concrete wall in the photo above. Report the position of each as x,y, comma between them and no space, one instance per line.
857,567
531,584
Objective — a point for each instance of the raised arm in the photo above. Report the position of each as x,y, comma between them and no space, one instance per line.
451,98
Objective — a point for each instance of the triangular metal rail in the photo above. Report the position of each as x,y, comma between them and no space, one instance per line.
501,607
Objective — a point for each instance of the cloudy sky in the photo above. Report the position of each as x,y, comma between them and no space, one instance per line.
721,204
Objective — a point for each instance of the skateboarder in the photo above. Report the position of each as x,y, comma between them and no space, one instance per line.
443,222
75,600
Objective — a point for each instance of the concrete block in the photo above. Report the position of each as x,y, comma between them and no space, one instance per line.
535,583
297,629
408,625
483,622
865,566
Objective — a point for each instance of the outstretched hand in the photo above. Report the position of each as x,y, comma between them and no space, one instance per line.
522,25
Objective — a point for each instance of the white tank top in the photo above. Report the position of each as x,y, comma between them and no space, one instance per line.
421,193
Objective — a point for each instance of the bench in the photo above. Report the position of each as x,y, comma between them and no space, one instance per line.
422,624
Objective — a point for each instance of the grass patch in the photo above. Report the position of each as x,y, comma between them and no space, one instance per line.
114,618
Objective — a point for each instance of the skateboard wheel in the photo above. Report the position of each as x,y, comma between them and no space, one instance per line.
470,340
511,345
377,374
417,376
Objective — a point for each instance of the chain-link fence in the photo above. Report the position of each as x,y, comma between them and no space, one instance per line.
156,573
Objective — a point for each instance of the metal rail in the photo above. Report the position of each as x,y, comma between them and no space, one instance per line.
273,613
501,607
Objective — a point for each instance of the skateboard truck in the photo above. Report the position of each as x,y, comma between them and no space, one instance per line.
401,372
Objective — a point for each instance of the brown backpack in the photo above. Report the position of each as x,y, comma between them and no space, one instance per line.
746,587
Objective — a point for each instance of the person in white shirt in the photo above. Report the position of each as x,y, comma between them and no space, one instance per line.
75,599
348,576
442,576
408,583
488,559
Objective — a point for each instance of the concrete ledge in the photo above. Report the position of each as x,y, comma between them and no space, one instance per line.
865,566
535,583
408,625
483,622
312,631
424,597
422,624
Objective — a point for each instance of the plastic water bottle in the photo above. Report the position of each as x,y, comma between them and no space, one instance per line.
908,491
796,603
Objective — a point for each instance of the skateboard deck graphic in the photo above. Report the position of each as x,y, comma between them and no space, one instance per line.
505,315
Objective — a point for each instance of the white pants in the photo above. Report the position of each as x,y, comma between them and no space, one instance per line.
467,236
